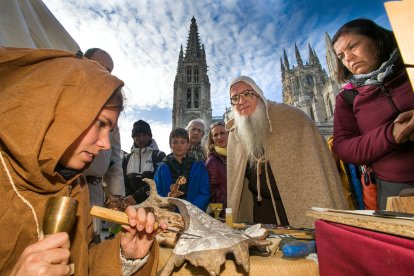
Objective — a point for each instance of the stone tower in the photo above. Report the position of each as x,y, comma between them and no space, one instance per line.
302,85
332,86
191,85
308,87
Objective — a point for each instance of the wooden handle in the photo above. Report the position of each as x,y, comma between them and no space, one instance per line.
109,215
112,215
238,225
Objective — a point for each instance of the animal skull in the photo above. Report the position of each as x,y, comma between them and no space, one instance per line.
216,238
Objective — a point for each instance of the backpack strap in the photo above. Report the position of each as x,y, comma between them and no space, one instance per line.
349,96
125,161
154,156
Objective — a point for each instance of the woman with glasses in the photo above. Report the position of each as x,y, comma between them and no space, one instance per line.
216,164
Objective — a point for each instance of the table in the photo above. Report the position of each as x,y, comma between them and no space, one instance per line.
349,243
393,226
346,250
262,266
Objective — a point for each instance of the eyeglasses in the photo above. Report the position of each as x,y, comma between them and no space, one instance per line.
247,95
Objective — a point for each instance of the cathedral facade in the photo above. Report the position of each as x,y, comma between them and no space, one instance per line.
308,87
192,98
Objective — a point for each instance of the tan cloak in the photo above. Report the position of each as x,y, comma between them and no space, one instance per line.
304,170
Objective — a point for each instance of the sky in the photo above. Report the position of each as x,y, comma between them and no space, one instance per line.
241,37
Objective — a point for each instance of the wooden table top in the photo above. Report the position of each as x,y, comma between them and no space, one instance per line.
394,226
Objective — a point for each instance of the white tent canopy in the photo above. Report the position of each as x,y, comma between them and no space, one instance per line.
30,24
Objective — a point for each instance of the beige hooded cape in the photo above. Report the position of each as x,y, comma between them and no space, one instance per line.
48,98
304,170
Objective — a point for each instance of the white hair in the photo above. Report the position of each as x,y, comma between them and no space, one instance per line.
197,122
252,130
203,126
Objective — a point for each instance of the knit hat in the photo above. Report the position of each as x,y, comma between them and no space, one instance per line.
141,127
256,88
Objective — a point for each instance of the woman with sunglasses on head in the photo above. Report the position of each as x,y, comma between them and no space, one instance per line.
57,113
216,164
373,119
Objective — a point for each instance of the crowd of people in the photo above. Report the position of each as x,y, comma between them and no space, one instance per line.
269,162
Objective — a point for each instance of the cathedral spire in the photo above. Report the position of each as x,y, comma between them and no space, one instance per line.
203,52
286,60
180,58
282,68
298,58
330,56
192,97
311,55
316,58
193,49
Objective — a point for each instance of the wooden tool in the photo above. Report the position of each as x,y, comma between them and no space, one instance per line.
122,218
401,204
298,234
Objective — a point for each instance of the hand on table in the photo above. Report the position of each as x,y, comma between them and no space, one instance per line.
49,256
138,237
404,127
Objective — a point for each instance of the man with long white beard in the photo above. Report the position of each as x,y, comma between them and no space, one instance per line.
282,155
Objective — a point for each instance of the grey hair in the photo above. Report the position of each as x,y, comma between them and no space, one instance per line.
199,122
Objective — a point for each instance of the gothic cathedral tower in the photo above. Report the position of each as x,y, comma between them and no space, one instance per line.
303,85
191,85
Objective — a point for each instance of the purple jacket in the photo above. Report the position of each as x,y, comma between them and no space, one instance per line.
364,135
218,178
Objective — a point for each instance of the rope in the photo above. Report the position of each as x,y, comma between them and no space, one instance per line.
39,232
259,172
271,194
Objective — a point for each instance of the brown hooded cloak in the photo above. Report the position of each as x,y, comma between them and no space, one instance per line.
47,99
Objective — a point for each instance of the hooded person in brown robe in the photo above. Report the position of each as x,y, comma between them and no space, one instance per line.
284,157
56,114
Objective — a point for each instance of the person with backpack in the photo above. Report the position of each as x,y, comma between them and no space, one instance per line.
181,175
196,129
142,162
104,175
373,113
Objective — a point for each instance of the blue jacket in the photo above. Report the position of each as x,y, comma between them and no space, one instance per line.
198,184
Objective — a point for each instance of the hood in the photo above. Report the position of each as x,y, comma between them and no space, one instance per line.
48,98
152,146
257,89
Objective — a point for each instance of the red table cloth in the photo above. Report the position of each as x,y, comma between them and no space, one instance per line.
347,250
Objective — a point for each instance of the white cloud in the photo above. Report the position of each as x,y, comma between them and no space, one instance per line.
240,37
160,132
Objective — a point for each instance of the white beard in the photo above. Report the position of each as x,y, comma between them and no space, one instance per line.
252,130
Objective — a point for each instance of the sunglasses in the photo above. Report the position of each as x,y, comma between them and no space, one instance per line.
219,123
247,95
